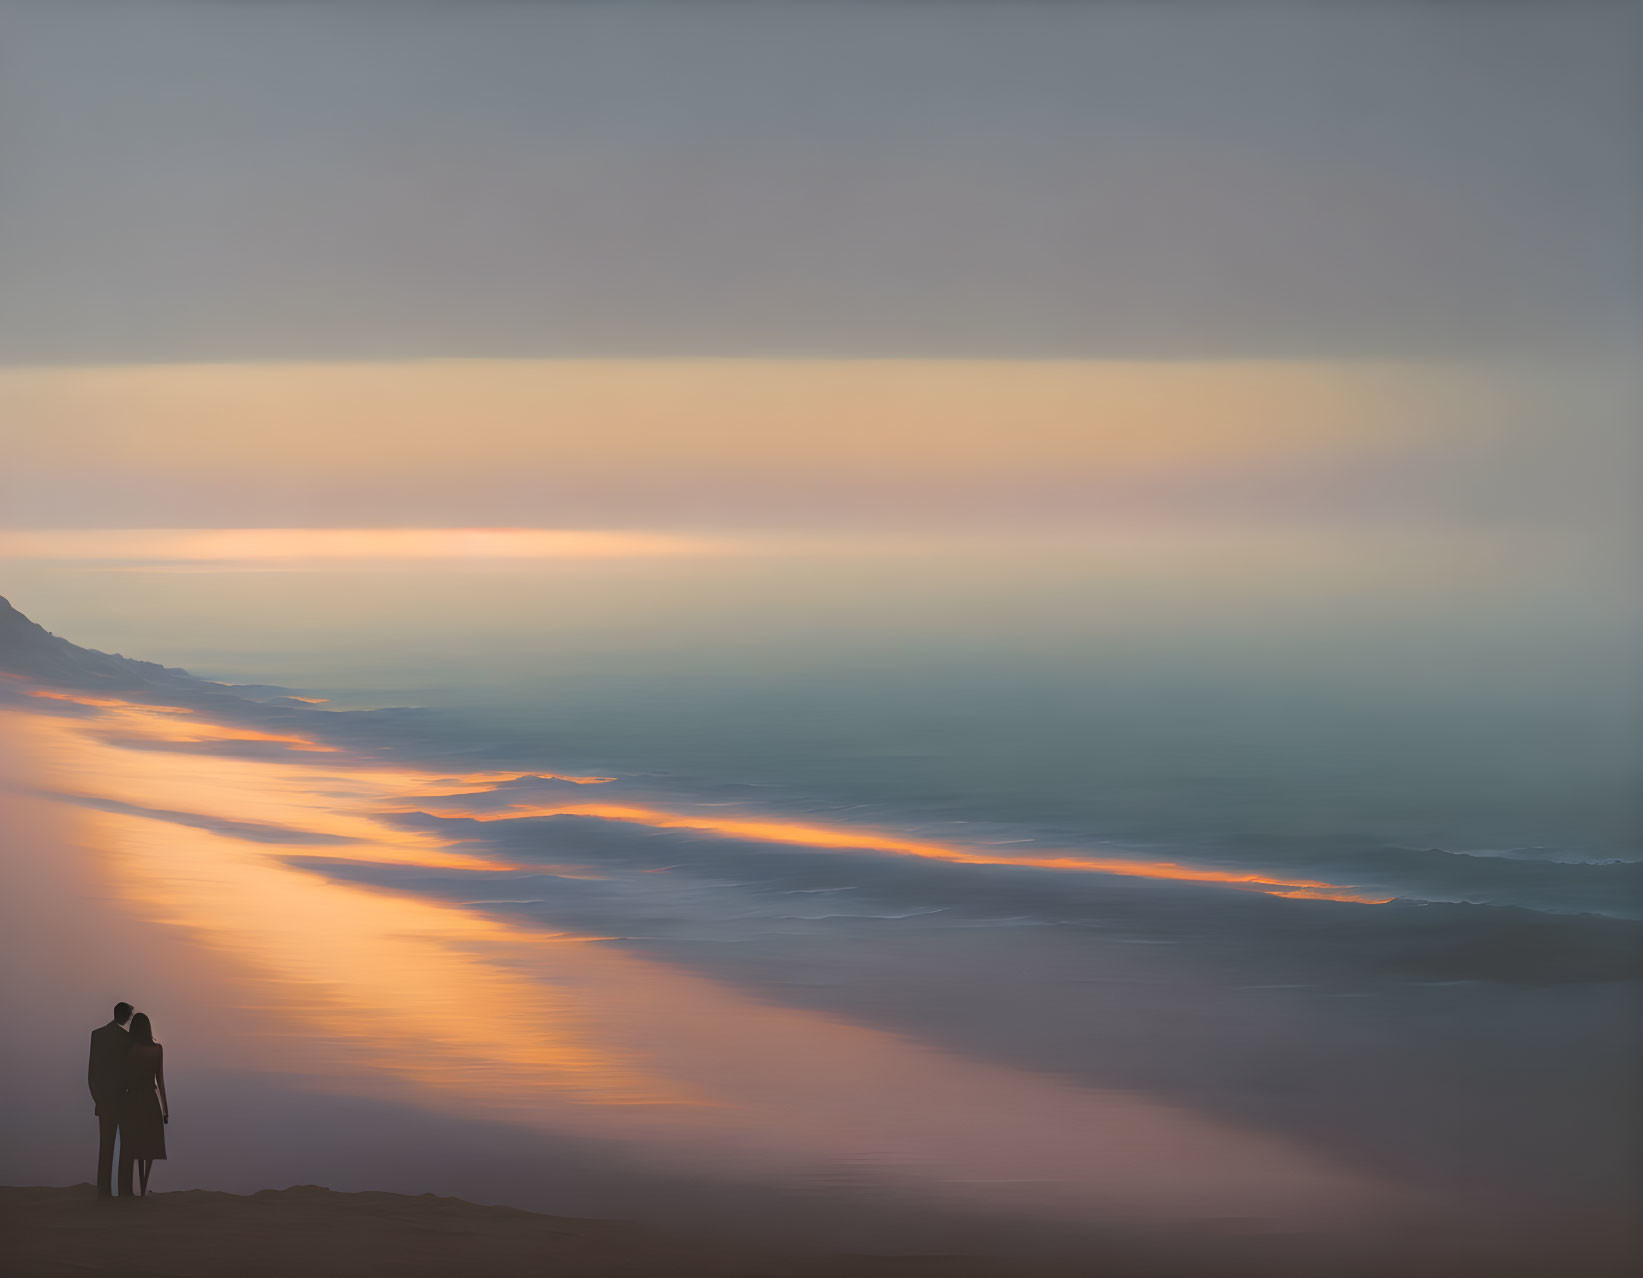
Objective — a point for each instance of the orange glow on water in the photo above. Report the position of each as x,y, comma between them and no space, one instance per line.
110,703
129,715
199,732
361,990
366,971
137,716
1334,894
821,836
488,782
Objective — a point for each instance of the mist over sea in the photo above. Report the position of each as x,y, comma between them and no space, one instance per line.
950,635
1377,797
1436,715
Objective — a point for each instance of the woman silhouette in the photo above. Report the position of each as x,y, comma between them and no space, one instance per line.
143,1108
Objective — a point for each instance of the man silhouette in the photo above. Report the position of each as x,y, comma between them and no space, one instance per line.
105,1075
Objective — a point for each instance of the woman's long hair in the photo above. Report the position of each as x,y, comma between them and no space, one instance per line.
141,1030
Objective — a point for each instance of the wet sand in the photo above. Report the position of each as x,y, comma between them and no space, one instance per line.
313,1232
319,1233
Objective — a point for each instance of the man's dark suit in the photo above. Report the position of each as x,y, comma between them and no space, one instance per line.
105,1075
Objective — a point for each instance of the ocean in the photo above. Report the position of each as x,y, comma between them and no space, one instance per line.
1152,878
1433,717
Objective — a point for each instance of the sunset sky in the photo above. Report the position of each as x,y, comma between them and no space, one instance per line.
1348,291
632,267
852,612
236,464
643,268
717,445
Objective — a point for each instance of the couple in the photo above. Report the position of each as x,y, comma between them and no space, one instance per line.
127,1079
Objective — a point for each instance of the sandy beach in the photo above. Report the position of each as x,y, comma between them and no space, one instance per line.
324,1234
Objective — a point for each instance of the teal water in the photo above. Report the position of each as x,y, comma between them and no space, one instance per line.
1450,728
1447,720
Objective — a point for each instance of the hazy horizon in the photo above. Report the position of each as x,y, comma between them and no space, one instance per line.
917,626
